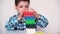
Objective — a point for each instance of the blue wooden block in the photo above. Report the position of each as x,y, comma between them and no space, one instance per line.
29,18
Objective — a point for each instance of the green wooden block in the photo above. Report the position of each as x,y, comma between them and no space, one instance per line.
30,21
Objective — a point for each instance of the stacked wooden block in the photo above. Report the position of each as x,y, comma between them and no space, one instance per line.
29,19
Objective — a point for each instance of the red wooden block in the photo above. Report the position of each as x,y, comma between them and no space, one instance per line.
28,13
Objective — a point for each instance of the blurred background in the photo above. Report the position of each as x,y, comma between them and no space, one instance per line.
49,8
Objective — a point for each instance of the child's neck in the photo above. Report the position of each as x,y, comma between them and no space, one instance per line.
19,17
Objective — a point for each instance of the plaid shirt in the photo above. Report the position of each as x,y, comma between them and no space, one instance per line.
14,24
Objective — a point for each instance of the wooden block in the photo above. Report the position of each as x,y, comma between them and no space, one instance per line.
29,18
30,22
30,26
28,13
39,33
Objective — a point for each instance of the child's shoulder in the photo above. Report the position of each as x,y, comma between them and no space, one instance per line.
14,16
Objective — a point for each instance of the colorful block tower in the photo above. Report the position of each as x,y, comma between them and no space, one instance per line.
29,19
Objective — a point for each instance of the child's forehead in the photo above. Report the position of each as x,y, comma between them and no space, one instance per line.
23,3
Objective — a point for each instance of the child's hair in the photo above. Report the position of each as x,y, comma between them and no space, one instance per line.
17,1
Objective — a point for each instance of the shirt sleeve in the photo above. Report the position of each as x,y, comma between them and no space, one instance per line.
42,21
9,24
14,24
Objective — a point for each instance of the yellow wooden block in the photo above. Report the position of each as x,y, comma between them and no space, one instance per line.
49,33
39,33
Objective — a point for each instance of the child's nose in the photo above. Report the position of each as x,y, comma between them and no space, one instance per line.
24,9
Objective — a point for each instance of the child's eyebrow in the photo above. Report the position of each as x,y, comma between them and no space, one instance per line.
23,5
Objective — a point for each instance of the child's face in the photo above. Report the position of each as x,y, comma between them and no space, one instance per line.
22,6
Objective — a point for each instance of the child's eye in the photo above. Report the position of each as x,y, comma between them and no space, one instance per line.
26,6
21,6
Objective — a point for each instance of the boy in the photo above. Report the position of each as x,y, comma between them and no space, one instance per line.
17,22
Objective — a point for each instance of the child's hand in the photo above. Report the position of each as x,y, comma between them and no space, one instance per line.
35,13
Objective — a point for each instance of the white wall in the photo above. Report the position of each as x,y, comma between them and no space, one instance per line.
48,8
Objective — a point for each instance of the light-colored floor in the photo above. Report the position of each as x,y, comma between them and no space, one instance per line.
28,31
17,32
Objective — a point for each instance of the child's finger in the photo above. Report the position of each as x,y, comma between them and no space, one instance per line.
33,10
